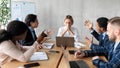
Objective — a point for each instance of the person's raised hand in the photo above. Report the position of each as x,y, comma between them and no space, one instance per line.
49,32
88,40
68,27
89,25
37,46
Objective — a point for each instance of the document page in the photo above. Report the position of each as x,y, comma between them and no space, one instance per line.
39,56
78,45
47,45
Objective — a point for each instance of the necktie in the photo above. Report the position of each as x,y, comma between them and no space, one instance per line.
34,35
101,40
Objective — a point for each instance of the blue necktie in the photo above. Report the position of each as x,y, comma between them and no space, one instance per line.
101,40
34,35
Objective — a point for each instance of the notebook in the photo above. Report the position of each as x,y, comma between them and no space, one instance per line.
74,64
65,41
39,56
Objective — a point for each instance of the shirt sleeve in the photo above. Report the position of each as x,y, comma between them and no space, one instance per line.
99,52
95,34
14,52
92,31
113,63
76,35
59,32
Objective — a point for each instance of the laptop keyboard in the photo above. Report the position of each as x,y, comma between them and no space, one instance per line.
73,64
78,64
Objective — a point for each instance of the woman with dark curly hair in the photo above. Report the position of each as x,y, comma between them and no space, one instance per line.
10,48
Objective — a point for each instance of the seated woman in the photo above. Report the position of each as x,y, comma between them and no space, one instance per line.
10,48
32,23
68,30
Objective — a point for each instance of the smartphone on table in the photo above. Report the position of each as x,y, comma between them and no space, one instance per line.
31,65
72,51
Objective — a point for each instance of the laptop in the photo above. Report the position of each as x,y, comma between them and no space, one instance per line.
65,41
74,64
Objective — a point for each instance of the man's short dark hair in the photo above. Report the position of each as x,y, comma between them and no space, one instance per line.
102,22
30,18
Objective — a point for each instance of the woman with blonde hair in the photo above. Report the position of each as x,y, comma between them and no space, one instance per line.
68,30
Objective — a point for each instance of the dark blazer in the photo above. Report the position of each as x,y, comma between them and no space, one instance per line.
102,42
28,40
113,59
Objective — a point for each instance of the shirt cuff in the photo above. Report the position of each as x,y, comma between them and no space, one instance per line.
92,30
90,45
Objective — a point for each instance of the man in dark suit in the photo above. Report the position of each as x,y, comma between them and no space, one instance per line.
32,22
100,35
113,31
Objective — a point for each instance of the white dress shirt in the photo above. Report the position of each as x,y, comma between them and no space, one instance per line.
116,44
67,34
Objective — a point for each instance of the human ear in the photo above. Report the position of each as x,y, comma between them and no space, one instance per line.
117,31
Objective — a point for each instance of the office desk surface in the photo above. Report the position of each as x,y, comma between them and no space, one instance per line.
52,62
63,63
56,60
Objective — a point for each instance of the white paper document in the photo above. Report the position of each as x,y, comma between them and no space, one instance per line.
78,44
47,45
39,56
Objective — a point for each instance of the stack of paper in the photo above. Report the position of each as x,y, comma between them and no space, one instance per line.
39,56
78,44
47,45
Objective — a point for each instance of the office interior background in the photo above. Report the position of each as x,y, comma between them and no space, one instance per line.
51,13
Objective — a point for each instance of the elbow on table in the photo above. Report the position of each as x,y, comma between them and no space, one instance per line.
23,59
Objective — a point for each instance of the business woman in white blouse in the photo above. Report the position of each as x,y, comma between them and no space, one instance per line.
68,30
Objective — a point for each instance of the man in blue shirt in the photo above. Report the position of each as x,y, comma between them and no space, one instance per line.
113,54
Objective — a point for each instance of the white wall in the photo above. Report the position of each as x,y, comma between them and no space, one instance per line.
51,13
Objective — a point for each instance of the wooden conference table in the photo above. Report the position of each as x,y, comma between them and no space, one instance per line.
64,63
56,60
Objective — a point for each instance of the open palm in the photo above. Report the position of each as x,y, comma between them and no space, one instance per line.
88,24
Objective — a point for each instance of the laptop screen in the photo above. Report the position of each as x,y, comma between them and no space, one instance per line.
65,41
